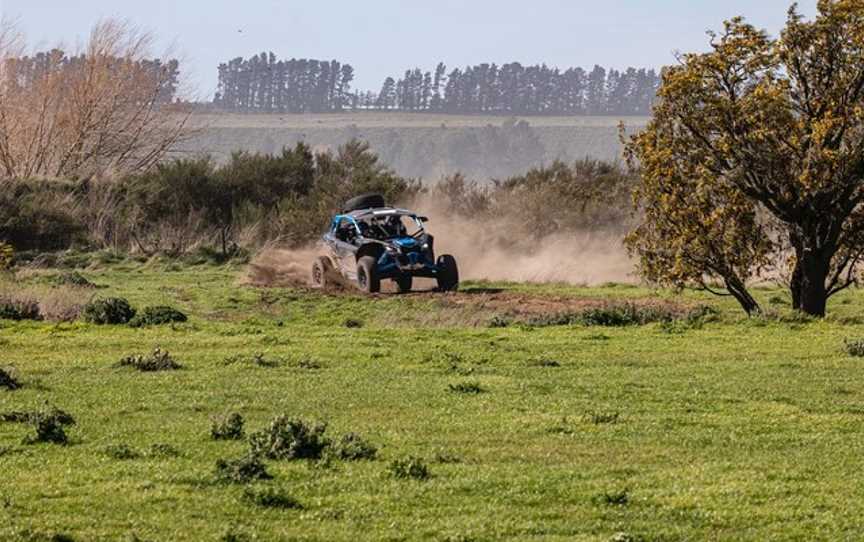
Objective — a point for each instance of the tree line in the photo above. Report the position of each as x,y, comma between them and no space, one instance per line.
25,73
264,84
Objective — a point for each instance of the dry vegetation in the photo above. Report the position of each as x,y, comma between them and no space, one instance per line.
91,114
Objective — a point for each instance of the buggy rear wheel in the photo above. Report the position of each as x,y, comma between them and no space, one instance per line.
367,275
448,273
320,271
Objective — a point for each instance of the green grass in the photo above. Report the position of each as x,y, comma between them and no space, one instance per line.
734,429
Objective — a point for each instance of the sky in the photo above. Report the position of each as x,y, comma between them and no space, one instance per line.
386,37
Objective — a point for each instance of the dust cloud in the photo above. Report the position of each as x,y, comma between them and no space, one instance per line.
498,249
280,267
506,248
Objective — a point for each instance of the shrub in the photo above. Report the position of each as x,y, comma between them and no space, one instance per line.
470,387
499,321
353,447
269,497
162,451
111,310
7,255
228,427
258,359
409,468
615,316
73,278
307,362
613,498
854,347
446,457
157,316
159,360
610,315
231,534
564,427
353,323
544,362
121,451
8,379
602,418
289,438
19,309
242,470
48,424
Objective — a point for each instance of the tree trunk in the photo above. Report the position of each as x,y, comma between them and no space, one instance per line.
739,291
795,286
809,294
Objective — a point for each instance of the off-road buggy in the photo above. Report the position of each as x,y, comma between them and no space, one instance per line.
369,242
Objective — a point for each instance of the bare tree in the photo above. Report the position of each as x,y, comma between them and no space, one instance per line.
97,113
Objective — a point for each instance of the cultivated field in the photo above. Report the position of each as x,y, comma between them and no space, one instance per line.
423,145
541,412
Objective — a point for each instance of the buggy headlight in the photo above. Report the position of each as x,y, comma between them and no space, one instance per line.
425,246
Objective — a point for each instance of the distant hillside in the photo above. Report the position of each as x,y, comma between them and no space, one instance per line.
424,145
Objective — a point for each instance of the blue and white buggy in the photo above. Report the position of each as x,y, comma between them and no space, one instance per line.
369,242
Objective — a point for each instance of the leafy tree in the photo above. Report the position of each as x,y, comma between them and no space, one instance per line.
768,134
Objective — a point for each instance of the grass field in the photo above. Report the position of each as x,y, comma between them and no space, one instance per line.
711,428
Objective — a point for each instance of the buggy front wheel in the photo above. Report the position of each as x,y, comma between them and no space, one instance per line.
448,273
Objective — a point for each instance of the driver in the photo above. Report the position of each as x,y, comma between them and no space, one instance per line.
396,227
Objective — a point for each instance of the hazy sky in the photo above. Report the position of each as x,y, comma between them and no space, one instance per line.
384,37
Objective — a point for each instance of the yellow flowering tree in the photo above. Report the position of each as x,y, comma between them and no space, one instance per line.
754,157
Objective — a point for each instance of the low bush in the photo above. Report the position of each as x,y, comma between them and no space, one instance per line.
617,315
159,360
162,451
48,425
111,310
19,309
157,316
228,427
242,470
446,457
270,497
470,387
563,427
544,362
613,498
499,321
73,278
8,379
121,452
7,255
290,438
854,347
353,447
622,315
603,418
307,362
409,468
258,359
